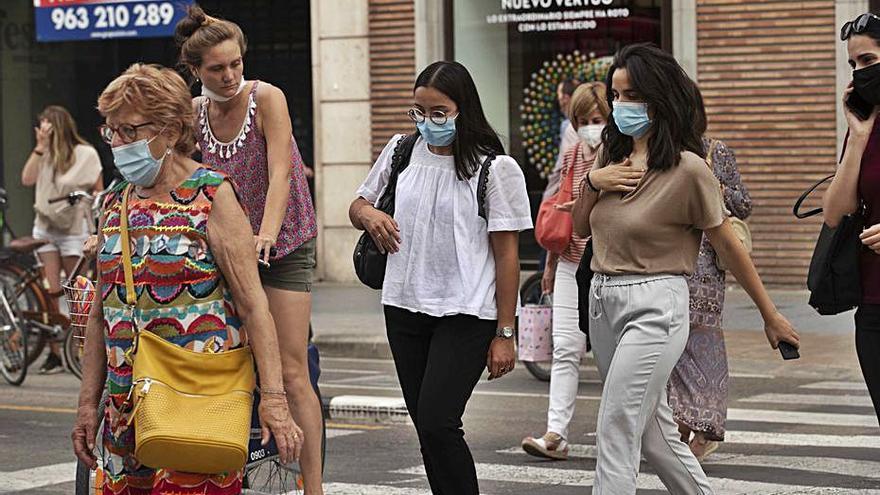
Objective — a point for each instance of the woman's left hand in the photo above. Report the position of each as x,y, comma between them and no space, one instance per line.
778,328
264,245
565,206
502,357
871,237
275,419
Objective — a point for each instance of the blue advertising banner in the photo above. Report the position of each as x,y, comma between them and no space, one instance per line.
67,20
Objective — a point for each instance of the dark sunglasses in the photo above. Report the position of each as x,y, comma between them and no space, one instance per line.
858,26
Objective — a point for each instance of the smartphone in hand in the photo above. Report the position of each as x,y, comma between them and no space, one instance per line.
788,351
859,106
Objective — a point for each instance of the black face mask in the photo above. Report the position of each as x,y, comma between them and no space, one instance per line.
866,83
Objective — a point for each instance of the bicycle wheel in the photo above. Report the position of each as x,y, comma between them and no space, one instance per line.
271,477
73,351
28,300
13,341
88,481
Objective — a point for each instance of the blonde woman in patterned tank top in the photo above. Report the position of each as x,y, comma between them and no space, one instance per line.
243,128
588,113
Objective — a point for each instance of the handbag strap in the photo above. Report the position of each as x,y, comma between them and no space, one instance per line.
399,161
124,238
805,195
483,186
710,155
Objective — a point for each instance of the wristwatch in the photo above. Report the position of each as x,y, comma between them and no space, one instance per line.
504,332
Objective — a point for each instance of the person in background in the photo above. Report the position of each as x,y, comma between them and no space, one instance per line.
244,128
857,182
452,277
60,163
589,113
567,138
698,386
647,202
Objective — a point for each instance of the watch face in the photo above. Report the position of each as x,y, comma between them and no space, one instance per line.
507,332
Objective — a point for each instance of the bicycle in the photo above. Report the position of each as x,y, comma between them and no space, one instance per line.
37,309
13,340
530,292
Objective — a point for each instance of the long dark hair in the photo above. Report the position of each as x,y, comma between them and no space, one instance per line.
474,137
672,104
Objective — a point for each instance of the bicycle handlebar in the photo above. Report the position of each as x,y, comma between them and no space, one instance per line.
72,198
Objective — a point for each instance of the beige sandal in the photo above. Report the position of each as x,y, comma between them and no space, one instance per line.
701,447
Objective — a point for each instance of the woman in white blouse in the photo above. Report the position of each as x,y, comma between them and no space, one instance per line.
450,290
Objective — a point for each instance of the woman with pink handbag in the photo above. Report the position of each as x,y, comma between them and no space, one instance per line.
589,112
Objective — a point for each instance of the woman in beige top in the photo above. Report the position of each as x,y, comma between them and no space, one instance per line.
60,163
647,202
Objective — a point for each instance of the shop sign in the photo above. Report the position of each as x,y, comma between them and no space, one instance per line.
66,20
536,16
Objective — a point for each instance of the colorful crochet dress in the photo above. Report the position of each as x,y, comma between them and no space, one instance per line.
182,297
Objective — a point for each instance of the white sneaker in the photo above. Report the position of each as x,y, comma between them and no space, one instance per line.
550,446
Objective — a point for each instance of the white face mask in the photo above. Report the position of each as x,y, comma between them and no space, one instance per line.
591,134
220,98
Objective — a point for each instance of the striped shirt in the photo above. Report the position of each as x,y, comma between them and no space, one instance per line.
575,162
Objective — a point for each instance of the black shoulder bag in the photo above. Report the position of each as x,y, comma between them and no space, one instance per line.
369,262
584,277
834,280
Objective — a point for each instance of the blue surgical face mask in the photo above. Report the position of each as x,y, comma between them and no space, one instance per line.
136,163
632,118
438,135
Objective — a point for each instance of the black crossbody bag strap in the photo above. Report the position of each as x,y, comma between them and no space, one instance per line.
399,161
482,186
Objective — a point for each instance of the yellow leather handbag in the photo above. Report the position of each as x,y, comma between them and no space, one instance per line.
192,410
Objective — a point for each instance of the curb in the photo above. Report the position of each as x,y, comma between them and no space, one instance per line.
366,407
353,348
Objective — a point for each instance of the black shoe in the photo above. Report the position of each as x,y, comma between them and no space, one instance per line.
52,365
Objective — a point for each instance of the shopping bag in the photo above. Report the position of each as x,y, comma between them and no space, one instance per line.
535,334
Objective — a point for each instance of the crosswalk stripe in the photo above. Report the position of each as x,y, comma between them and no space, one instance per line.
812,399
336,433
801,418
361,489
830,465
28,479
802,439
584,478
849,386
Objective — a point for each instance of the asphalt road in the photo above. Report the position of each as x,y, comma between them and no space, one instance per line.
794,428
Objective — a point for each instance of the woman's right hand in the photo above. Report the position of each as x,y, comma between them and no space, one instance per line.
617,177
857,127
84,433
382,228
42,133
548,279
275,419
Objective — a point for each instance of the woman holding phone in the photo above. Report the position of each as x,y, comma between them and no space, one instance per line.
857,183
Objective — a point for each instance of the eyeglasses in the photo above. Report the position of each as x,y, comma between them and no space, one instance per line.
127,132
858,26
438,117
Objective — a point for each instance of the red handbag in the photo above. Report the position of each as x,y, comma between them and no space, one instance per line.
554,227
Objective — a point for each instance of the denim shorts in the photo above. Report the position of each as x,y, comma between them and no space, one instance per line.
294,272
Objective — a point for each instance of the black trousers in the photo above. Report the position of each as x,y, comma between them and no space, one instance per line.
439,361
868,349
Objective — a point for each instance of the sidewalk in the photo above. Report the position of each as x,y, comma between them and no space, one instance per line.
348,321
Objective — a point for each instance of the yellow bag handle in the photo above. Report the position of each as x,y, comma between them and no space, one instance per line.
130,295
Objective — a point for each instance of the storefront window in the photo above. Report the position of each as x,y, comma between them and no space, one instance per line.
520,50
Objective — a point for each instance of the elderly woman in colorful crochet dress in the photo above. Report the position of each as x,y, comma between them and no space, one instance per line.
181,214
